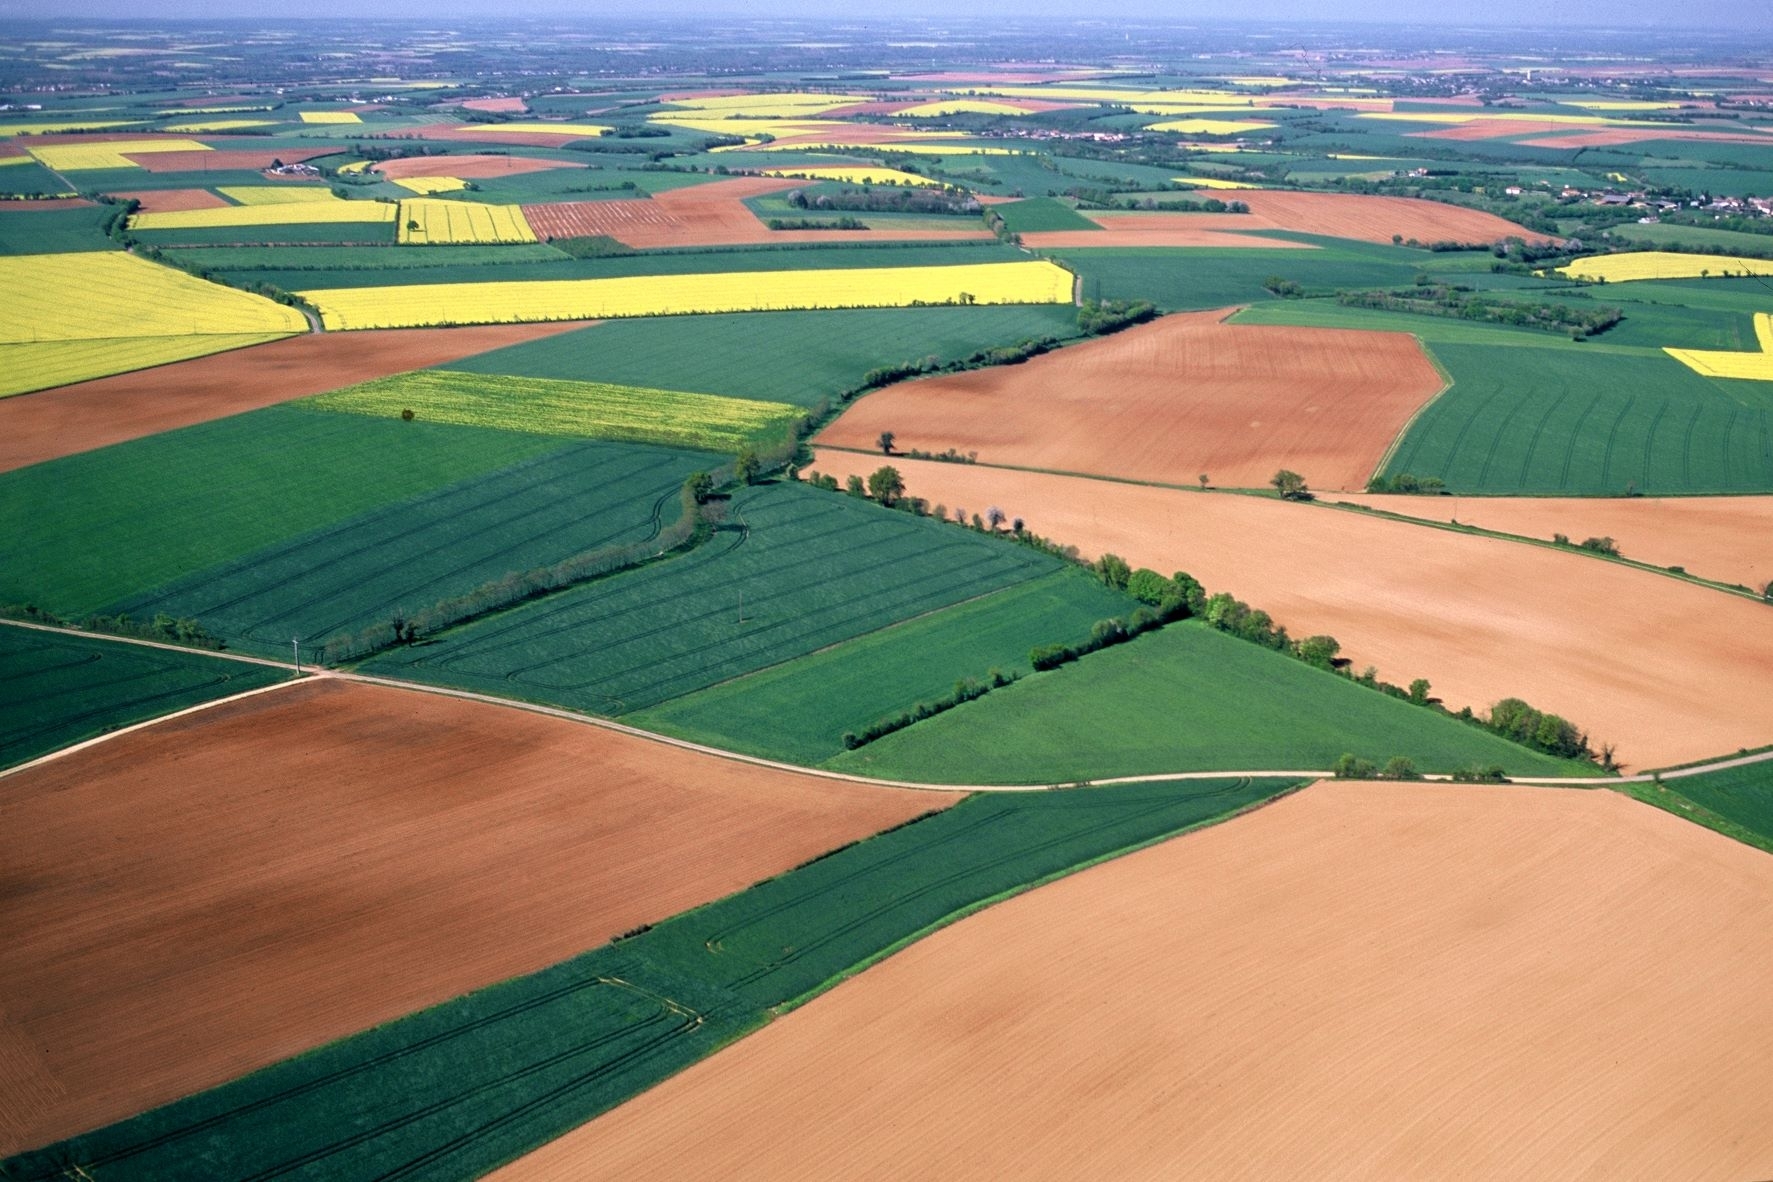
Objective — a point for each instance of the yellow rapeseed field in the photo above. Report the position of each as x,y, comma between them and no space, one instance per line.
1210,126
276,194
662,295
354,167
859,175
48,364
1754,367
215,125
330,117
105,294
954,147
114,154
56,126
431,184
1213,182
541,127
1660,264
788,104
425,220
288,213
961,106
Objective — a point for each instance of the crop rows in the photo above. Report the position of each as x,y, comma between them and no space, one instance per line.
101,294
663,295
590,410
413,553
281,213
794,571
425,220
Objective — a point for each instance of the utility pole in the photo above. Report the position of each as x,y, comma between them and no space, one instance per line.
296,643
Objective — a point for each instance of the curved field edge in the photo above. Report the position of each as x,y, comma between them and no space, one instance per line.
1737,801
463,1087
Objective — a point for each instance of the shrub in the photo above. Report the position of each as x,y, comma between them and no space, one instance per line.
1351,767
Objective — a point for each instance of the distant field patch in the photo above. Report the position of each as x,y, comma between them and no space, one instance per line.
1213,182
661,295
109,153
278,194
1659,264
581,130
1197,126
855,176
61,126
1756,367
426,221
203,126
283,213
63,689
959,107
424,185
44,365
330,117
590,410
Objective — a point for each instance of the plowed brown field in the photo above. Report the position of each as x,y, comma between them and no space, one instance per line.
1170,235
61,422
703,215
1360,981
1338,215
506,104
1669,671
1721,538
224,159
1169,400
198,899
173,200
467,167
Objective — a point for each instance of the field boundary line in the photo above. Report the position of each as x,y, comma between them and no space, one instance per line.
1397,440
176,648
83,744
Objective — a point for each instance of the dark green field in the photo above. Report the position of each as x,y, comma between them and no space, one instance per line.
793,571
456,1090
1737,801
30,179
92,529
1041,213
52,231
409,554
1183,699
799,711
1183,279
798,357
61,689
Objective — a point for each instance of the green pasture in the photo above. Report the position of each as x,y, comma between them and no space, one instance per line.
52,231
800,710
62,689
791,571
456,1090
1041,213
1736,801
30,179
401,557
1181,279
89,530
796,357
1186,698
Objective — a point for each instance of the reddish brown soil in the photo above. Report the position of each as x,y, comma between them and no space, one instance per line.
173,200
1338,215
1169,400
1172,234
491,133
61,422
226,158
503,105
195,900
42,203
703,215
1361,981
1669,671
1719,538
470,167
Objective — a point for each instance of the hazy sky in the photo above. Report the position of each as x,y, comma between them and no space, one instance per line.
1740,14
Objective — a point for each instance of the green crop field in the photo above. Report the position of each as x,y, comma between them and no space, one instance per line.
456,1090
589,410
1737,801
1589,421
1179,279
797,357
406,555
30,179
1186,698
62,689
91,529
53,231
799,711
1041,213
793,571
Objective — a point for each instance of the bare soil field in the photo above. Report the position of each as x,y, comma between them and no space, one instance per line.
467,167
1721,538
173,200
1358,981
225,159
1611,137
198,899
703,215
1668,671
1180,233
86,415
1337,215
1169,400
503,105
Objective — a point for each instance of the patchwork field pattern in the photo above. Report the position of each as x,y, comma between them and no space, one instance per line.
649,295
425,221
1754,367
793,571
62,688
591,410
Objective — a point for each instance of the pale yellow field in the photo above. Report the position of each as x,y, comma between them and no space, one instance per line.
1754,367
419,305
1618,105
589,130
330,117
6,160
48,364
1658,264
287,213
58,126
1213,182
748,126
114,154
960,107
276,194
107,294
1209,126
790,104
354,166
216,125
955,147
425,220
432,184
1111,94
860,175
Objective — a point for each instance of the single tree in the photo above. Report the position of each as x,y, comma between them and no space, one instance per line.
1290,485
855,487
1203,482
994,518
886,485
700,486
746,466
886,443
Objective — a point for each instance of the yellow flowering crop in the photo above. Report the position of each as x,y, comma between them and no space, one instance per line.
431,184
425,220
288,213
276,194
114,154
1662,264
330,117
859,175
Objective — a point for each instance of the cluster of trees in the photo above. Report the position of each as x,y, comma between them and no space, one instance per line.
1398,767
1161,600
1097,318
1605,546
1406,482
1460,304
891,199
162,627
886,375
1289,484
1286,289
843,223
1514,719
965,690
592,246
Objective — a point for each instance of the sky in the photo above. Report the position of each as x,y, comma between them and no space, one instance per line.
1754,15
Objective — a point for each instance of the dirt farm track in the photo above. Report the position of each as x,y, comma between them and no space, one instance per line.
1669,671
1360,981
198,899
